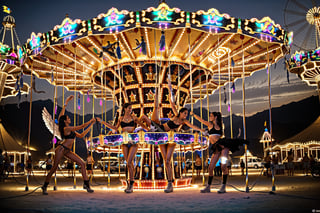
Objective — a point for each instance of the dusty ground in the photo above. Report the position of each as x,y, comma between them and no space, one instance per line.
293,194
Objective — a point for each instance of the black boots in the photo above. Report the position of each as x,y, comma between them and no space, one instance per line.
44,188
129,189
87,186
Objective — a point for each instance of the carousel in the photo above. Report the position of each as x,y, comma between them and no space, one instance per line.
123,56
305,63
12,57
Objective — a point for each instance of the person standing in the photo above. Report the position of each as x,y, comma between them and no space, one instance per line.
220,148
267,163
174,124
305,162
242,166
127,121
48,163
198,165
290,165
68,134
90,163
29,165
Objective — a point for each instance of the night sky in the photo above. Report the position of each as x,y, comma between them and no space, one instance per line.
41,16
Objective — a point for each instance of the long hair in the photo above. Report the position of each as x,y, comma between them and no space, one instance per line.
62,125
124,106
219,119
115,121
181,111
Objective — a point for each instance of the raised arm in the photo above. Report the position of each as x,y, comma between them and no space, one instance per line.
173,106
193,126
107,125
82,134
84,125
208,124
65,105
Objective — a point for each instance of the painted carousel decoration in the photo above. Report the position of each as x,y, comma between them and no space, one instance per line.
124,56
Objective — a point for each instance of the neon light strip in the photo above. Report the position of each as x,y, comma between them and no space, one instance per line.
71,59
147,39
131,55
221,45
88,52
197,46
180,37
69,71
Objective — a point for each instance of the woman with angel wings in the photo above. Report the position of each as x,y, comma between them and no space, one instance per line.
68,134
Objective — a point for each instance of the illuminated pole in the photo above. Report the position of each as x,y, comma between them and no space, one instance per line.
270,115
54,113
74,111
244,116
203,180
219,75
208,114
190,68
29,129
229,75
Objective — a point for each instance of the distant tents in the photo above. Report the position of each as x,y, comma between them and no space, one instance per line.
16,152
307,141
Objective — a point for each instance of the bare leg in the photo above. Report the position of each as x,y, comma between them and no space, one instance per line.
224,154
167,157
132,153
224,159
163,149
156,114
59,153
125,152
214,159
74,157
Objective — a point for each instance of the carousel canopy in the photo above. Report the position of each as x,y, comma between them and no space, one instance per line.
124,55
306,65
8,143
11,59
309,135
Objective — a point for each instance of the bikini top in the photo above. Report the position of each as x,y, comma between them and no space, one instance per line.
72,135
213,131
172,125
124,124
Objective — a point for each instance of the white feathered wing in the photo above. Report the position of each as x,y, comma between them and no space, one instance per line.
50,124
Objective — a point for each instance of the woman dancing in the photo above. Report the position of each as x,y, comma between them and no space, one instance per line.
179,119
127,123
68,133
221,148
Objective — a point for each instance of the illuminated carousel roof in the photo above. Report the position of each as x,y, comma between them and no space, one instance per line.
132,52
10,72
306,65
11,59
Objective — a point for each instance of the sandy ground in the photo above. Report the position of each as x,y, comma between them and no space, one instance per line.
292,194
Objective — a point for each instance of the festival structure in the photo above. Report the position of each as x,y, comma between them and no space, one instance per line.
124,55
266,140
305,62
11,81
